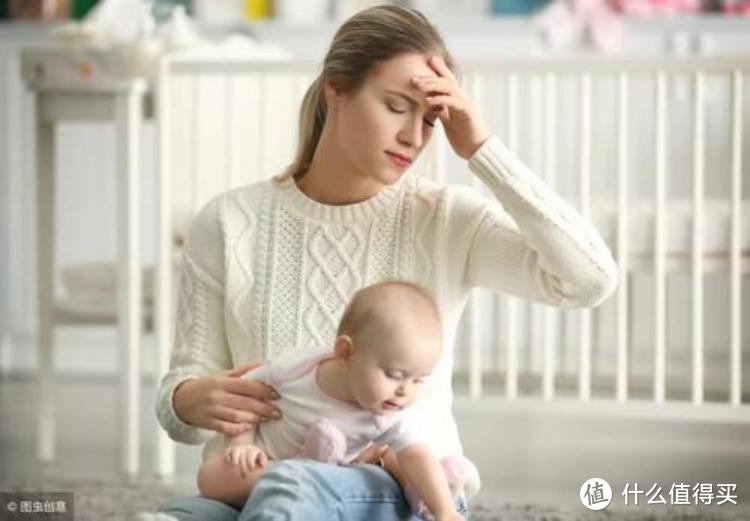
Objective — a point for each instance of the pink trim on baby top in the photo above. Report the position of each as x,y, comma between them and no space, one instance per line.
302,369
382,421
296,372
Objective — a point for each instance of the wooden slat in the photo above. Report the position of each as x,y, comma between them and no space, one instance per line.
697,246
623,148
735,281
475,347
550,335
584,316
659,240
511,304
165,460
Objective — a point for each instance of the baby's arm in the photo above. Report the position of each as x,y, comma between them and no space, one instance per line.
427,475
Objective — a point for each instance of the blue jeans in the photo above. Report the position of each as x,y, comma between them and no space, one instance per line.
309,491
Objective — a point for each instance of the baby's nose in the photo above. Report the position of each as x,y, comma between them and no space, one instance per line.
404,389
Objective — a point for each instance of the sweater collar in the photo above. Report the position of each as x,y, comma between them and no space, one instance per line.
296,201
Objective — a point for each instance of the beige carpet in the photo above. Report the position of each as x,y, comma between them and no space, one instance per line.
120,500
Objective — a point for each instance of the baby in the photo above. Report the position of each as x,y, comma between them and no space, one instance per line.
335,404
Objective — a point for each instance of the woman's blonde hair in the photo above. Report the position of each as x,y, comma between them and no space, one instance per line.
364,41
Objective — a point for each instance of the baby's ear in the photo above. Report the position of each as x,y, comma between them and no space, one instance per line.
344,348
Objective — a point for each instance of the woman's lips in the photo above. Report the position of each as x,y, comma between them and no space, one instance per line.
399,160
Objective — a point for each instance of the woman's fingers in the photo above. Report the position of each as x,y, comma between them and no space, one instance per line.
228,428
225,403
450,104
442,96
237,416
439,66
433,85
244,404
252,388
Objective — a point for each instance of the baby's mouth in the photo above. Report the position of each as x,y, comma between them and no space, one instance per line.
392,405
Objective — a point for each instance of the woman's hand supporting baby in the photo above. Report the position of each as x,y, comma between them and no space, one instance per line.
225,403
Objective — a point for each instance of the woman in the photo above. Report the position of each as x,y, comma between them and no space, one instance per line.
270,266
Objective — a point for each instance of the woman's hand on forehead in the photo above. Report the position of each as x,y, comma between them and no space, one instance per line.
463,126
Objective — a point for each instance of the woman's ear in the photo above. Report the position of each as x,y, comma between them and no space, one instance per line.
334,96
344,348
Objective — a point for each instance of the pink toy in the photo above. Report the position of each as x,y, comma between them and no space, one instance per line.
736,7
565,22
324,442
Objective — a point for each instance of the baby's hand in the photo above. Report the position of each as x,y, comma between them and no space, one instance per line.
246,456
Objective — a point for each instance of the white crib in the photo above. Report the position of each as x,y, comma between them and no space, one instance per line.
650,149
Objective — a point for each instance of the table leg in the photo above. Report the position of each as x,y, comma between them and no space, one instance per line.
130,316
44,147
164,462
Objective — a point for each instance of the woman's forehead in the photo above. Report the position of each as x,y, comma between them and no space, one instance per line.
398,71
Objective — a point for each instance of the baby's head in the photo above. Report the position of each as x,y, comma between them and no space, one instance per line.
390,337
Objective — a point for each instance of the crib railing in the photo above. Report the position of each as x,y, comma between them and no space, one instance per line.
545,75
607,133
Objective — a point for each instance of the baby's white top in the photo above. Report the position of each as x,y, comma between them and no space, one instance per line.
303,403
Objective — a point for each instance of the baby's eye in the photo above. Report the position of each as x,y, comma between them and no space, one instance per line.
419,381
394,375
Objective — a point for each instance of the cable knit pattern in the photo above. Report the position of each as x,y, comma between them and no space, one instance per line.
267,268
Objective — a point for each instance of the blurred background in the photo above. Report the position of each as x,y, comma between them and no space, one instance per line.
612,102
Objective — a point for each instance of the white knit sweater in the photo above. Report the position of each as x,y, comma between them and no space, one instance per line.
266,268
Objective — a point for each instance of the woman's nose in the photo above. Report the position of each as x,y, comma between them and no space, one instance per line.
412,134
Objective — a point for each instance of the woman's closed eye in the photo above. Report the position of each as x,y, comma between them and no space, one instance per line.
395,110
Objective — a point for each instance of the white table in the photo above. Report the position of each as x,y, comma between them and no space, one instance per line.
90,94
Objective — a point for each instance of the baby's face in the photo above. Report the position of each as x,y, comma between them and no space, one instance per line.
387,370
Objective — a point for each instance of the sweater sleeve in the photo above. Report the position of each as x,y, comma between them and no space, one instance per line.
200,343
530,243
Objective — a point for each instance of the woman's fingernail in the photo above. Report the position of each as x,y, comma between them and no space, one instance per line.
276,415
274,395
